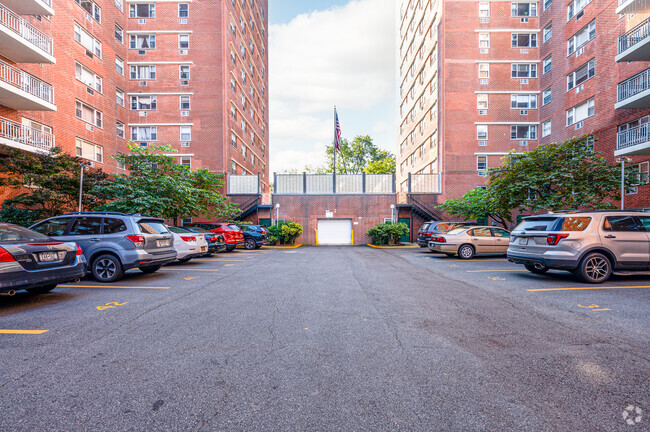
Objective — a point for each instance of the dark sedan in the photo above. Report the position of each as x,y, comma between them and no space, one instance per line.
255,236
216,242
36,263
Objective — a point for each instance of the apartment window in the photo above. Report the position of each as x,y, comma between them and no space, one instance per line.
576,6
548,31
481,132
119,65
89,151
233,112
92,9
524,9
119,34
233,140
481,163
523,101
143,72
142,10
88,114
243,151
232,56
484,40
88,77
119,129
546,128
580,112
547,4
183,41
142,42
119,96
484,9
580,75
184,72
87,40
583,36
233,167
524,40
119,5
144,133
183,10
546,96
547,64
523,132
233,86
482,101
144,103
36,126
185,102
484,70
641,172
244,125
186,133
524,70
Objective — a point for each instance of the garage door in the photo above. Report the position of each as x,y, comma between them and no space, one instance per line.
334,231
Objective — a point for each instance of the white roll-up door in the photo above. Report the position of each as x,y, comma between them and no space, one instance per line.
334,231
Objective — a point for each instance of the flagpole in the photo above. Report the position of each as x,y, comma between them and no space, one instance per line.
334,143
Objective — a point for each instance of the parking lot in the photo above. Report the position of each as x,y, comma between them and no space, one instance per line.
328,338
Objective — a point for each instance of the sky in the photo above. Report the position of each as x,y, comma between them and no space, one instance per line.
324,53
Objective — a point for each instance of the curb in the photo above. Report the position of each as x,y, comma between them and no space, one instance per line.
282,247
392,247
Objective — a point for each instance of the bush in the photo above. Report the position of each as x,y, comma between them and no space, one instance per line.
387,233
20,216
290,232
275,233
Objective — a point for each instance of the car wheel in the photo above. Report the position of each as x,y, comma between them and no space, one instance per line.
466,251
531,268
150,269
595,268
230,248
250,244
42,289
107,268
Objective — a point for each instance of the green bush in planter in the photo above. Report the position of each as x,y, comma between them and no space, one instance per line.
387,233
290,232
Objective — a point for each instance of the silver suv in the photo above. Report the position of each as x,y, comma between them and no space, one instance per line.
590,244
113,242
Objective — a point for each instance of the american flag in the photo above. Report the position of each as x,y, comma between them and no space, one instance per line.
337,132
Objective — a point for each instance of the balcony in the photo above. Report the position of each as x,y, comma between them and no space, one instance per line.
634,141
30,7
22,42
632,6
634,92
634,45
16,135
22,91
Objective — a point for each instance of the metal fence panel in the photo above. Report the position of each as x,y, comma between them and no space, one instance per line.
379,183
425,183
320,184
243,184
349,183
288,184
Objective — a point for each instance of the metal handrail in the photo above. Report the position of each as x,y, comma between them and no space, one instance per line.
633,85
25,30
26,82
632,136
26,135
632,37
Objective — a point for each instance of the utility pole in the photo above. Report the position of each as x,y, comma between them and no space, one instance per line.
622,160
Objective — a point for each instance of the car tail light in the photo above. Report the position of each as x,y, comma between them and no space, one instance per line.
440,239
136,239
188,238
427,234
554,239
44,244
260,231
5,256
79,251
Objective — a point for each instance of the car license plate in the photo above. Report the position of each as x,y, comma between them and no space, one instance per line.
204,248
523,241
162,243
49,256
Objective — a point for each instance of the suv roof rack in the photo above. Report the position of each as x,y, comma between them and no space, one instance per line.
98,212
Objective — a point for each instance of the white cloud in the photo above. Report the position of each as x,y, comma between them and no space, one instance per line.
343,56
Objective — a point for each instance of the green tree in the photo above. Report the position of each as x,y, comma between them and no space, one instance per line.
355,156
478,203
382,166
158,186
47,184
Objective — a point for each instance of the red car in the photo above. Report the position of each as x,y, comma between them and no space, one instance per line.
231,233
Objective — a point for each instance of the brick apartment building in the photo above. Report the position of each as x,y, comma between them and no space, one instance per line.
88,75
481,78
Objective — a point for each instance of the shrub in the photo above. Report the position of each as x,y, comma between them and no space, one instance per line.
290,232
275,232
387,233
20,216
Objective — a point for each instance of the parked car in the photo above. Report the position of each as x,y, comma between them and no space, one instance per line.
231,233
431,228
36,263
255,236
590,244
469,241
216,242
113,242
188,245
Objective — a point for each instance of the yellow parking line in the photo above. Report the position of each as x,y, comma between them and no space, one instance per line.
217,259
591,288
490,271
34,332
198,270
111,286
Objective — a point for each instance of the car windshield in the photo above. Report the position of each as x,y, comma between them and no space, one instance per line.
9,233
234,227
446,226
200,230
152,227
425,227
537,224
457,231
178,230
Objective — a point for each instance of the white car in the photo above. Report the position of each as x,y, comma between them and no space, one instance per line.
188,245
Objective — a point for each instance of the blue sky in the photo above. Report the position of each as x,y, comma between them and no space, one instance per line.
325,53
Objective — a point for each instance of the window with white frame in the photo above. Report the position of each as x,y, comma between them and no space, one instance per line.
547,4
546,96
119,129
524,70
482,101
233,140
233,167
36,125
583,36
184,72
87,40
143,72
88,114
527,9
186,133
233,112
88,77
89,150
524,40
484,40
546,128
640,171
119,5
91,8
576,6
484,70
548,31
142,41
144,103
185,102
481,164
548,64
186,161
580,112
142,10
183,41
484,9
119,65
523,101
581,74
481,132
244,149
119,97
523,132
144,133
119,34
183,10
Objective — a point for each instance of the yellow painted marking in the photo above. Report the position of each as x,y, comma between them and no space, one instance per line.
283,247
591,306
228,265
218,259
496,278
590,288
427,257
601,309
452,265
110,305
191,278
112,286
490,271
393,247
195,270
31,332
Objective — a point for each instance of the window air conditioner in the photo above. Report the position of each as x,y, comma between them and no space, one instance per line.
524,20
523,143
89,18
523,51
182,20
484,50
523,112
579,125
580,51
142,21
183,52
185,113
90,164
580,88
185,144
143,83
523,81
89,90
485,20
482,143
143,113
482,112
89,54
142,52
185,82
484,81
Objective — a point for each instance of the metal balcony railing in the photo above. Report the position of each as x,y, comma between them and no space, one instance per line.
25,30
630,38
47,2
26,82
633,136
633,85
26,135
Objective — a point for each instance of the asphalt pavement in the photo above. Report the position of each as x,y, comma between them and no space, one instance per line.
329,339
